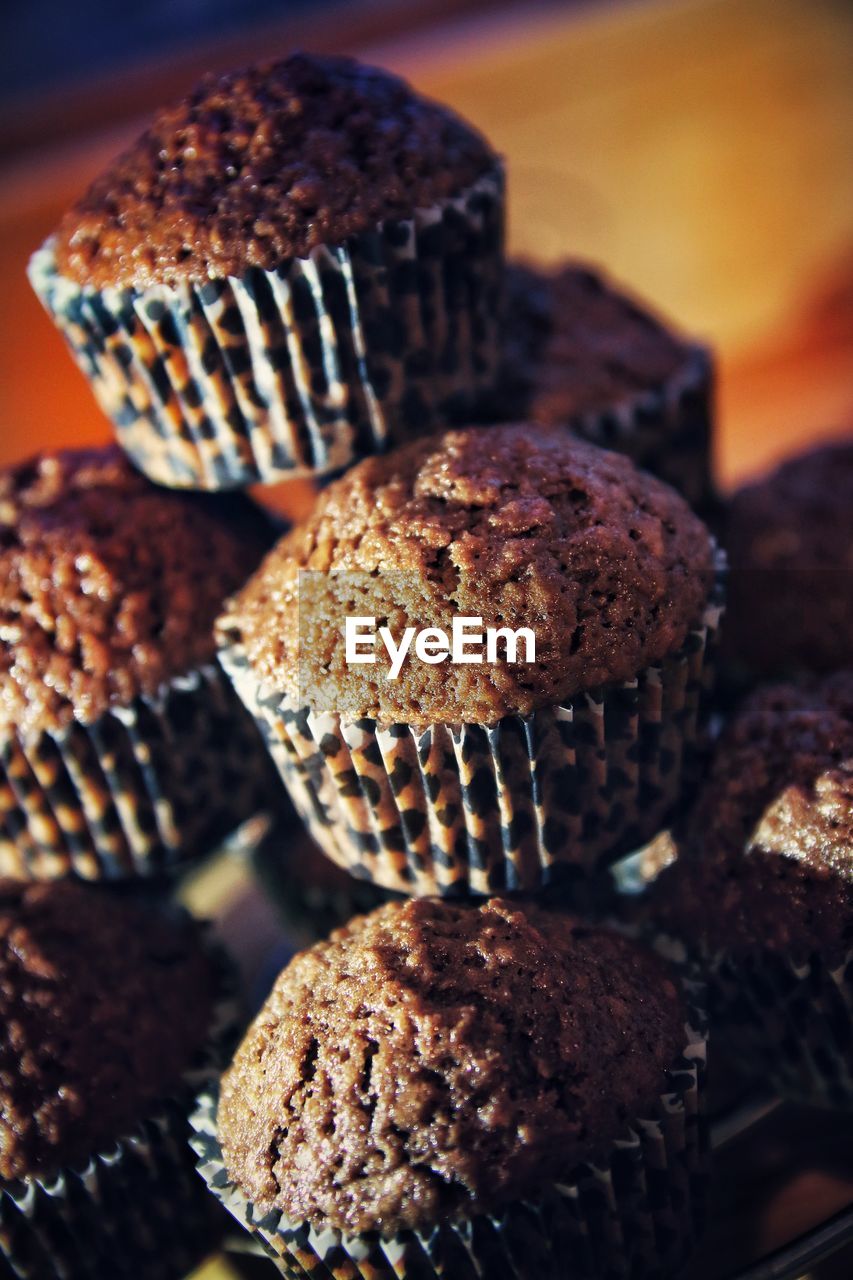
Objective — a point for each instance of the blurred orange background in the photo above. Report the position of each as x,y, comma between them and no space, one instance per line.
702,151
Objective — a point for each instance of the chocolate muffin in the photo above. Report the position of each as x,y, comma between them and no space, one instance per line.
762,885
790,542
112,1016
122,749
291,266
434,1071
496,773
579,352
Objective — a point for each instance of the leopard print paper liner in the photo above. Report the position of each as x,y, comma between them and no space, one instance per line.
636,1214
138,1211
665,430
300,370
789,1023
141,792
547,799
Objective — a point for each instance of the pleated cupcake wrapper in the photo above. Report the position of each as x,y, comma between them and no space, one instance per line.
138,793
467,808
299,370
138,1211
665,430
789,1023
635,1215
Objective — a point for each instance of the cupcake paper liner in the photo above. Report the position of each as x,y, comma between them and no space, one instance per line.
789,1023
665,430
466,808
139,792
136,1212
299,370
635,1215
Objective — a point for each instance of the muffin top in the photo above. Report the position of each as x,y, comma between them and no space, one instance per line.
266,164
520,525
103,1006
766,856
435,1058
575,344
108,585
790,542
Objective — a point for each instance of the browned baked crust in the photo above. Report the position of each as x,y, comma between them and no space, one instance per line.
520,525
103,1005
577,344
266,164
790,543
435,1058
108,585
766,857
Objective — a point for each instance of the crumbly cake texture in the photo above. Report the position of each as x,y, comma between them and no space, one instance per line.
103,1005
435,1059
519,525
766,857
265,164
109,586
577,344
790,543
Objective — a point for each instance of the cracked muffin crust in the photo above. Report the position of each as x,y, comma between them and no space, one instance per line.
103,1005
434,1059
520,525
264,164
765,858
109,586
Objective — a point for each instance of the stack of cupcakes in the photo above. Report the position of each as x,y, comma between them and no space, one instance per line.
760,886
125,754
124,757
299,271
114,1014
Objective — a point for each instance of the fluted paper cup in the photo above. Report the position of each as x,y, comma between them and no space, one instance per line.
635,1214
300,370
137,1211
546,799
789,1022
140,793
